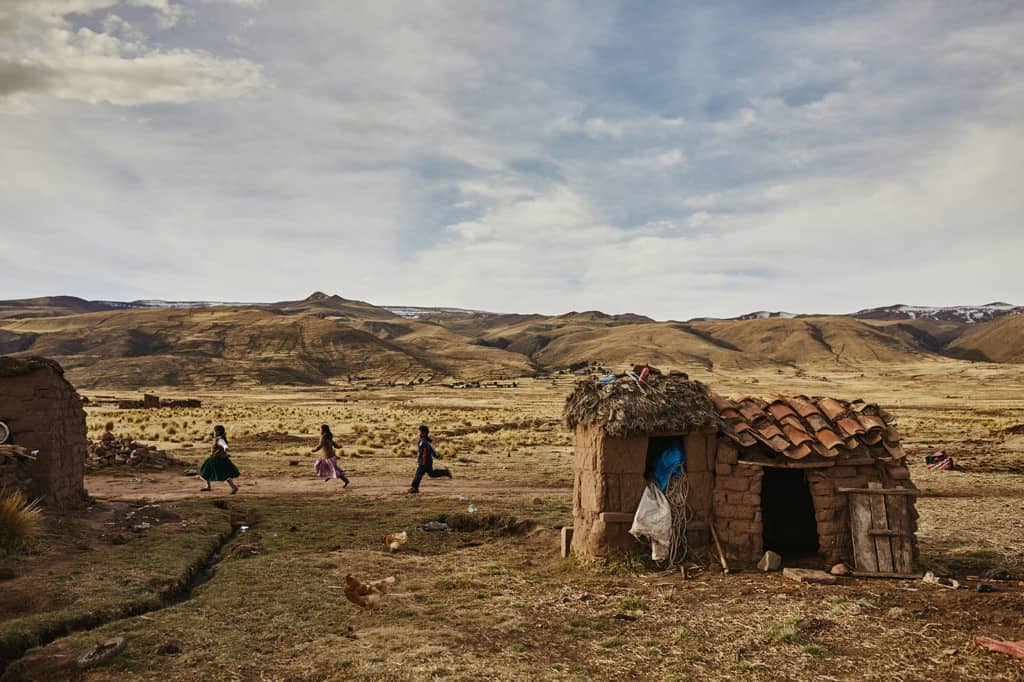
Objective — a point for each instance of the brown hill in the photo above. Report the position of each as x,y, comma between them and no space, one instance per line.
324,339
240,346
48,306
1001,340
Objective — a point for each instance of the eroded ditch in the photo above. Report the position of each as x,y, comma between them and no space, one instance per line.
196,575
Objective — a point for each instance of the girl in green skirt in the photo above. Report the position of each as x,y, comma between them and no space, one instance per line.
218,466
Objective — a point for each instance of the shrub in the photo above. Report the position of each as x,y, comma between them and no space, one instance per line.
19,519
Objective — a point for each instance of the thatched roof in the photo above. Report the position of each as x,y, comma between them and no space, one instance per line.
629,407
11,366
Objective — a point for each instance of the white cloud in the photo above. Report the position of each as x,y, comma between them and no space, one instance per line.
43,54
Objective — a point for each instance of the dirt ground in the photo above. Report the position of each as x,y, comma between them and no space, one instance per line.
493,600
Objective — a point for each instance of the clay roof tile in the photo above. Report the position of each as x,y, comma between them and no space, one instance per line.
831,408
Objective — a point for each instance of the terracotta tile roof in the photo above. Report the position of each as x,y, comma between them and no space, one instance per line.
799,426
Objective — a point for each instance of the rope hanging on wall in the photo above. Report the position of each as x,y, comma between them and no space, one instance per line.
676,493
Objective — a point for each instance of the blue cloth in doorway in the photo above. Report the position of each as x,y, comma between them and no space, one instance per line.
671,462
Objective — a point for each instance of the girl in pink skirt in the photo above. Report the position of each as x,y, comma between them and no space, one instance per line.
327,466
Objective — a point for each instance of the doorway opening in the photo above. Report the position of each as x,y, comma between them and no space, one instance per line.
787,513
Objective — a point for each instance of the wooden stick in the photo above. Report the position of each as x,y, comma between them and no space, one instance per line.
880,491
721,554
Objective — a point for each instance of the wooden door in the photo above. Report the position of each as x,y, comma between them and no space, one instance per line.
880,525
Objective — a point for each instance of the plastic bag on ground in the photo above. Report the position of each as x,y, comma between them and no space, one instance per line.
653,519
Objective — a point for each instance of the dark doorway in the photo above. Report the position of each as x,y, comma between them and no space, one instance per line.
787,512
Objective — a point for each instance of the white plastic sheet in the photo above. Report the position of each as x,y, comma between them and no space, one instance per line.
653,519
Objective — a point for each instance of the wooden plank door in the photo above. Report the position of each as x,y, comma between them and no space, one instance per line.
880,528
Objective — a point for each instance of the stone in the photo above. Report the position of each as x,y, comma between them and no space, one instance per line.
771,561
101,653
840,569
566,541
808,575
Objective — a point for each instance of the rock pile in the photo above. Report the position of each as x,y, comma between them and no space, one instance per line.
113,451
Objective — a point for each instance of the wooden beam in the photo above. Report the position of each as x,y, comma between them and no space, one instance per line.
782,464
617,517
904,576
855,462
880,491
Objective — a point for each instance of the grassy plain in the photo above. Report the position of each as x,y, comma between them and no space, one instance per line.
494,600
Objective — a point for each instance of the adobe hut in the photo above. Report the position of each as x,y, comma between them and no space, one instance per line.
780,474
43,412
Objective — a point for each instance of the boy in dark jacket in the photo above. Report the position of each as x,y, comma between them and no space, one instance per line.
425,454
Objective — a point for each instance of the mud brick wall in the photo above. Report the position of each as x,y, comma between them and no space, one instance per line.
700,478
44,412
607,485
737,505
14,472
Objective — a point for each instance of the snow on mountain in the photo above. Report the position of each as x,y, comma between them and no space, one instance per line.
964,314
764,315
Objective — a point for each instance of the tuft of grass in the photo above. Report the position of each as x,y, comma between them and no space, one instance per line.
898,613
612,643
815,651
631,604
786,631
20,519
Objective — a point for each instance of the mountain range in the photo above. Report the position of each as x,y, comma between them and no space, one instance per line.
325,339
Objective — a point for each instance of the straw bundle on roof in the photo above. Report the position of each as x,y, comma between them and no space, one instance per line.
629,407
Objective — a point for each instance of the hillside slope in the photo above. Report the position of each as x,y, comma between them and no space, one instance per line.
1001,340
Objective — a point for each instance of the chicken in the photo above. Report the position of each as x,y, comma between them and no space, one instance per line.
395,541
367,595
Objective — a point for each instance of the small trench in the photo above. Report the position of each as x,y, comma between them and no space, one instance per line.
182,590
469,523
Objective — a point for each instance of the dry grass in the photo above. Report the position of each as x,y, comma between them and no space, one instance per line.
497,602
20,519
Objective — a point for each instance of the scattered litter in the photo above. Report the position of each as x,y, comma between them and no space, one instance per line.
431,526
463,498
472,509
840,569
1015,649
142,526
190,472
939,461
1003,575
985,587
948,583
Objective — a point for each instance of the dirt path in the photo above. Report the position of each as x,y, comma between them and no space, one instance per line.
171,485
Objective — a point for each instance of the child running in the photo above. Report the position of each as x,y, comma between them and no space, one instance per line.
218,466
425,454
327,466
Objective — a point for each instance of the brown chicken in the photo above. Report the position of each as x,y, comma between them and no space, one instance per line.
367,595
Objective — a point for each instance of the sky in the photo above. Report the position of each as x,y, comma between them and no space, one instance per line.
665,158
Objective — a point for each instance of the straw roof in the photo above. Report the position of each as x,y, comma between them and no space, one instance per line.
11,366
629,407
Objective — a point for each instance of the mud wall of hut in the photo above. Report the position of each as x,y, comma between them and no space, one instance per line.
738,504
44,413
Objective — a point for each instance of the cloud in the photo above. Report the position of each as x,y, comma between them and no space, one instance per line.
42,53
678,161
